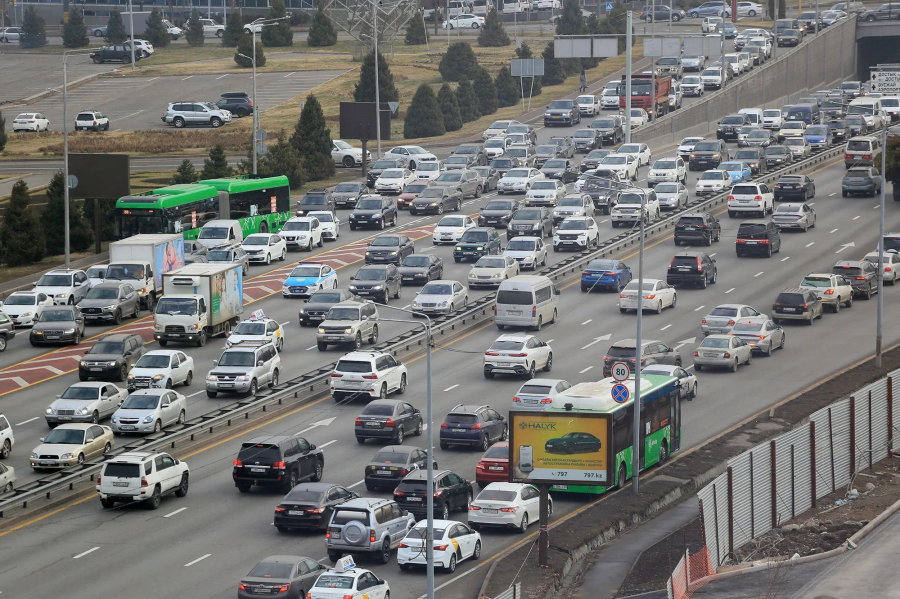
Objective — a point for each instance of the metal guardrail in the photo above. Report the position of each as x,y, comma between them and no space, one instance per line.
307,383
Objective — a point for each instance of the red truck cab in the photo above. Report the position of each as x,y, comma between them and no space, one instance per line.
642,95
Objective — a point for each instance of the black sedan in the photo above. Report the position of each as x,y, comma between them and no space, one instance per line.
111,357
795,187
59,324
347,194
288,576
318,304
497,213
309,506
559,168
436,200
388,467
421,268
388,419
502,165
390,248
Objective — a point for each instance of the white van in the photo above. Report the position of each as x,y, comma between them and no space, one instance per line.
870,109
221,232
526,301
755,114
861,151
516,5
456,8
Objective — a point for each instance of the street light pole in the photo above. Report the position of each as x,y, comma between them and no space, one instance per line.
377,91
255,105
66,158
636,415
131,24
628,67
880,252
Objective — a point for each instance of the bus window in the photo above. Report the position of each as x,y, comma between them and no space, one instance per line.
622,428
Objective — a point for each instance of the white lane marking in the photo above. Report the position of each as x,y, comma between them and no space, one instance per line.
604,220
288,75
832,194
131,115
786,258
85,553
27,421
758,274
199,559
223,76
310,348
326,444
810,243
876,207
284,324
713,255
248,298
188,77
812,203
154,79
855,218
668,325
178,511
451,388
833,230
586,321
549,340
585,370
430,249
18,380
698,308
193,394
356,484
406,307
266,289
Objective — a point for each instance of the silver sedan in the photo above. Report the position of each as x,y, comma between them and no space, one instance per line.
672,196
722,351
795,216
761,334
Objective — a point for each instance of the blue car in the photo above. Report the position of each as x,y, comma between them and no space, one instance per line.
605,274
710,9
739,171
307,278
819,136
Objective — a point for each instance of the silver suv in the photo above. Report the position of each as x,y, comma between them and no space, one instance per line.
367,525
348,322
243,368
182,114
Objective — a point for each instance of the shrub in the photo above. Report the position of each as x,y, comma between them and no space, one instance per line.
486,92
53,221
280,35
508,90
21,235
312,140
282,159
156,31
115,29
4,136
245,48
468,101
186,173
33,33
423,118
415,32
75,31
194,33
321,32
493,34
458,62
234,29
216,165
554,72
449,108
365,89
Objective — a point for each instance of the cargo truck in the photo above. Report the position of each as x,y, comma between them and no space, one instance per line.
655,103
142,260
199,301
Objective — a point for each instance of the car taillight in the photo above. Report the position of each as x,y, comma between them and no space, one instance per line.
517,355
757,197
389,422
358,421
727,355
517,400
144,481
328,535
491,353
335,375
476,427
764,241
474,508
651,296
509,510
703,321
403,546
739,240
98,480
441,547
622,295
403,472
867,157
699,266
533,311
585,273
730,197
829,292
249,103
805,306
696,354
372,535
398,493
242,587
279,465
279,509
283,588
860,278
444,425
237,463
887,269
370,377
546,400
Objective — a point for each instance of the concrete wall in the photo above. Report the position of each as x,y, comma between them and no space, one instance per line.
820,63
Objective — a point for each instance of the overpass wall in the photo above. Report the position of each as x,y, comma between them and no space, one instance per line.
820,63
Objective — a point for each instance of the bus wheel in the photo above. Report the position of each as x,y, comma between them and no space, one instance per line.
622,475
663,453
263,227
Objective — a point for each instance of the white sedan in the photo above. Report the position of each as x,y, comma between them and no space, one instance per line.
529,252
453,543
450,228
621,166
656,295
257,328
492,270
544,193
510,505
346,155
724,351
517,354
641,152
639,117
465,21
24,307
394,180
31,121
712,182
161,369
264,247
519,180
415,155
687,382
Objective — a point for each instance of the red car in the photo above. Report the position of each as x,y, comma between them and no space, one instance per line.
493,466
410,193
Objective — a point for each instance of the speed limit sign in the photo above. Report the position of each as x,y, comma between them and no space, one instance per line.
620,371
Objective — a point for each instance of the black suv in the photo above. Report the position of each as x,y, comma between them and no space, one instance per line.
757,237
382,165
377,281
708,154
473,426
388,419
695,268
861,274
390,248
121,52
534,221
277,461
730,126
451,492
754,157
111,357
797,304
316,199
697,226
388,467
497,213
477,242
237,103
373,211
562,112
347,194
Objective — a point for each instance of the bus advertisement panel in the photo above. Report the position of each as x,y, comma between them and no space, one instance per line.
559,447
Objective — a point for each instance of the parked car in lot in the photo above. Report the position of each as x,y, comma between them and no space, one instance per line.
120,52
184,114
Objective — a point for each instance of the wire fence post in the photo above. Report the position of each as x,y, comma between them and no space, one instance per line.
730,512
852,437
812,461
774,486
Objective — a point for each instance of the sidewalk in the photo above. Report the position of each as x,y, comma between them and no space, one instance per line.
33,180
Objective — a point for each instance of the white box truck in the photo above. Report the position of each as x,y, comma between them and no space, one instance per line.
142,260
199,301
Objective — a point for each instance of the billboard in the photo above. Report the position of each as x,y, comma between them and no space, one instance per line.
560,447
100,176
357,121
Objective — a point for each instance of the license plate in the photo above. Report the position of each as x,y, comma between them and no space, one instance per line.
96,369
407,278
52,337
352,383
226,385
295,512
258,470
568,243
489,510
751,243
47,463
333,337
529,401
262,590
383,472
373,424
459,430
118,484
127,427
514,312
709,355
89,317
419,499
498,468
65,417
690,228
789,309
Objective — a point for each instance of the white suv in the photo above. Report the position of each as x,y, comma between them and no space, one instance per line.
833,290
162,369
91,119
7,439
301,232
754,198
264,247
374,374
517,354
141,476
331,224
64,285
668,169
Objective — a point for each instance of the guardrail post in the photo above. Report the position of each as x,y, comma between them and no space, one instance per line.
716,524
831,449
793,484
812,461
730,512
774,489
890,412
870,428
852,436
752,501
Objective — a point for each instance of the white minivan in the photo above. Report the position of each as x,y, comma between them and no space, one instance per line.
526,301
221,232
755,115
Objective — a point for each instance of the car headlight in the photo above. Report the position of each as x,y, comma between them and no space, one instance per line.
69,331
242,377
368,253
110,363
147,419
33,456
109,307
393,253
302,310
458,249
51,411
547,114
209,377
63,295
536,226
83,364
114,419
82,411
416,305
352,287
157,377
443,304
377,287
26,315
131,376
479,248
66,456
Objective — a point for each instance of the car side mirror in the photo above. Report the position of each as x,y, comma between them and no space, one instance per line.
165,405
352,278
557,292
121,402
215,362
177,461
260,362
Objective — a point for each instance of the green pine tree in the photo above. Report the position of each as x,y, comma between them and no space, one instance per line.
424,117
534,87
216,165
4,136
115,28
554,71
449,108
107,225
312,140
156,31
21,233
75,31
321,32
458,62
468,101
365,89
493,34
508,91
280,35
282,159
53,219
486,92
245,48
33,32
571,22
186,173
234,30
194,33
415,32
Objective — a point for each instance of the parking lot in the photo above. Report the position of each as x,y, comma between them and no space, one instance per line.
24,75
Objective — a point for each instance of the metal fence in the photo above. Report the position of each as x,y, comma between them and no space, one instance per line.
821,62
778,480
513,592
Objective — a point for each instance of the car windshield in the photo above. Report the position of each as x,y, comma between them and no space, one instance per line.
154,361
29,300
329,581
500,205
452,221
174,306
517,129
416,188
732,166
56,316
528,214
611,159
325,297
137,401
747,327
716,343
520,245
543,185
296,226
302,272
775,150
517,152
499,125
587,133
386,242
436,289
473,236
236,358
724,311
794,124
631,198
369,204
342,313
415,261
507,345
502,162
570,224
325,217
489,262
603,124
667,188
810,281
214,233
347,187
432,192
495,143
65,436
633,286
250,328
664,163
604,265
733,120
314,199
371,274
856,172
388,457
794,142
81,393
271,570
257,240
497,495
450,177
223,255
457,160
55,281
567,201
787,209
561,104
551,164
392,173
712,176
758,134
107,347
385,164
706,146
710,73
305,496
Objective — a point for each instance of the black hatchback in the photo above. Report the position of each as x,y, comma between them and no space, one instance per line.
759,238
277,461
388,467
237,103
388,419
310,505
451,492
700,227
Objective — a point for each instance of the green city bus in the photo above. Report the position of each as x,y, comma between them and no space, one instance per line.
260,204
660,423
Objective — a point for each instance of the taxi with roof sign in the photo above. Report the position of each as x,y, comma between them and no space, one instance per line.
453,542
258,327
308,277
346,581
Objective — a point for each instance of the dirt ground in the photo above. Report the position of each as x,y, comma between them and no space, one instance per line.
651,571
